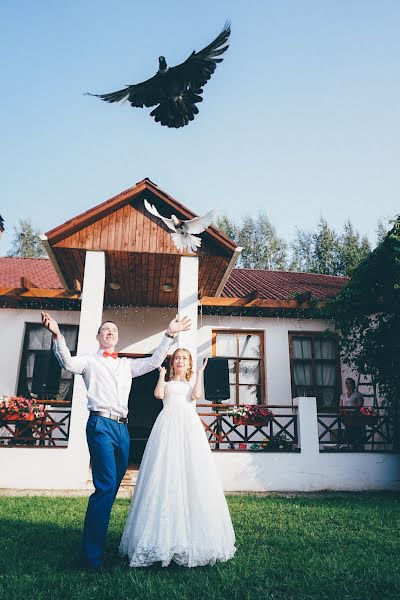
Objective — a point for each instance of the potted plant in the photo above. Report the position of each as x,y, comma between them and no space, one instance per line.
250,414
355,417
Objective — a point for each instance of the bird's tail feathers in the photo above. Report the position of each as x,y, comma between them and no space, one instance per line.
177,112
190,242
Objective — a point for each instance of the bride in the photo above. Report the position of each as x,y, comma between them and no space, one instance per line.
178,512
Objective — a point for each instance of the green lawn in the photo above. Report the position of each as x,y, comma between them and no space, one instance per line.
322,546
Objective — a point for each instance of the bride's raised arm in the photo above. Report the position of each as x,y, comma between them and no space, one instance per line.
197,389
160,387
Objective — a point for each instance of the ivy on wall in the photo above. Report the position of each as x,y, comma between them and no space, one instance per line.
367,317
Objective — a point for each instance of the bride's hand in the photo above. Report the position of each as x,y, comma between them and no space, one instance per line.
163,371
201,369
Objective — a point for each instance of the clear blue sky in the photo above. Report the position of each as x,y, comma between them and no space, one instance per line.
300,120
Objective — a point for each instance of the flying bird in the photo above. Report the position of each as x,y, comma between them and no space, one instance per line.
183,230
176,90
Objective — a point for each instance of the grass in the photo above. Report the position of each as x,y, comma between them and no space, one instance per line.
323,546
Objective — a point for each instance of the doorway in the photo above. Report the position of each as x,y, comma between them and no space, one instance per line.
144,409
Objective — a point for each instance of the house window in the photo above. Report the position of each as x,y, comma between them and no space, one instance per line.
315,368
245,353
40,374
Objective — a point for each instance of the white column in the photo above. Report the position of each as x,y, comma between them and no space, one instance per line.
308,426
188,302
90,319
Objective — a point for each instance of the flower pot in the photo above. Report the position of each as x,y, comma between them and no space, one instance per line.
247,421
30,417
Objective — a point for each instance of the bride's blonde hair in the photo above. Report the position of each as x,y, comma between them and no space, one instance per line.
189,370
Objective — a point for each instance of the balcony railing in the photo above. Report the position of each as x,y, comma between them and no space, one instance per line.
223,433
354,433
51,430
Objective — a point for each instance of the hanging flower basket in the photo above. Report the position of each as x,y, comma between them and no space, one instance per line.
17,408
250,414
364,416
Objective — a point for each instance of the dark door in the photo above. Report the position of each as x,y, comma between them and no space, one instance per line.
144,408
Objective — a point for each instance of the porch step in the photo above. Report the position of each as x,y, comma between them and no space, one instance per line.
127,484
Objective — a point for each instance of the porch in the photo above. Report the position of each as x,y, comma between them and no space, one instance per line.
297,456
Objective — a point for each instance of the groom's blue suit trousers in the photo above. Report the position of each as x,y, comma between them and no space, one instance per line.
108,443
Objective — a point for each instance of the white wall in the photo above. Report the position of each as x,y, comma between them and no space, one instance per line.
309,470
140,332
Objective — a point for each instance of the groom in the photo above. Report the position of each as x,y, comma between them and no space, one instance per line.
108,381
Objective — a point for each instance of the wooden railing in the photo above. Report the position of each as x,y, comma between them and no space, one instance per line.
354,433
279,434
51,430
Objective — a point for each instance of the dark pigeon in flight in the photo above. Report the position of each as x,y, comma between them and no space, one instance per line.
176,90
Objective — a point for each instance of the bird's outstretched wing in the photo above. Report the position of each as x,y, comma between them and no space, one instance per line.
196,70
152,210
199,224
147,93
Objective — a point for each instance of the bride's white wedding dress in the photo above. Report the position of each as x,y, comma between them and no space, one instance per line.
178,512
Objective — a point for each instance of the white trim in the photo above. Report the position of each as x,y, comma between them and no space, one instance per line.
43,238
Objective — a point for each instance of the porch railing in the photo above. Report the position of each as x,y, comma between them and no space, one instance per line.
51,430
279,434
351,432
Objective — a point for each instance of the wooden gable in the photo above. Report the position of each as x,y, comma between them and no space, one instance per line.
140,254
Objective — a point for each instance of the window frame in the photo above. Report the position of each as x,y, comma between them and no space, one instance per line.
22,387
313,335
261,360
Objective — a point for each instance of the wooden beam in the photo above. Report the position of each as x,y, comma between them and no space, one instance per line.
26,284
38,293
251,299
77,285
257,302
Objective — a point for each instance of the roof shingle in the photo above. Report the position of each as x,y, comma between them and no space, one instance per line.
39,271
281,285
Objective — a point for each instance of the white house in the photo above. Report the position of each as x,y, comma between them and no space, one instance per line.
118,262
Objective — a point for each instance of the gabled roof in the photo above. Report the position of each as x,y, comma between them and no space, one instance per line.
109,206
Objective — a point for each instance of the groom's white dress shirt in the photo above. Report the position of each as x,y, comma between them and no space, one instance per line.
108,380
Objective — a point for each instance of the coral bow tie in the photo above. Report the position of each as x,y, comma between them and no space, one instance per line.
112,354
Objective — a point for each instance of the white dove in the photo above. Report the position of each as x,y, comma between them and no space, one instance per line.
183,230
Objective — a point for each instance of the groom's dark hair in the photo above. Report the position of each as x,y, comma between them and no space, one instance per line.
103,323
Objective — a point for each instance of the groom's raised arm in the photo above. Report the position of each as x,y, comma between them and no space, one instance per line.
73,364
140,366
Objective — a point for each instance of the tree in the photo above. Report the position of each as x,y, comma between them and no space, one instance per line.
228,227
302,251
381,232
26,242
367,317
262,247
352,249
324,251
